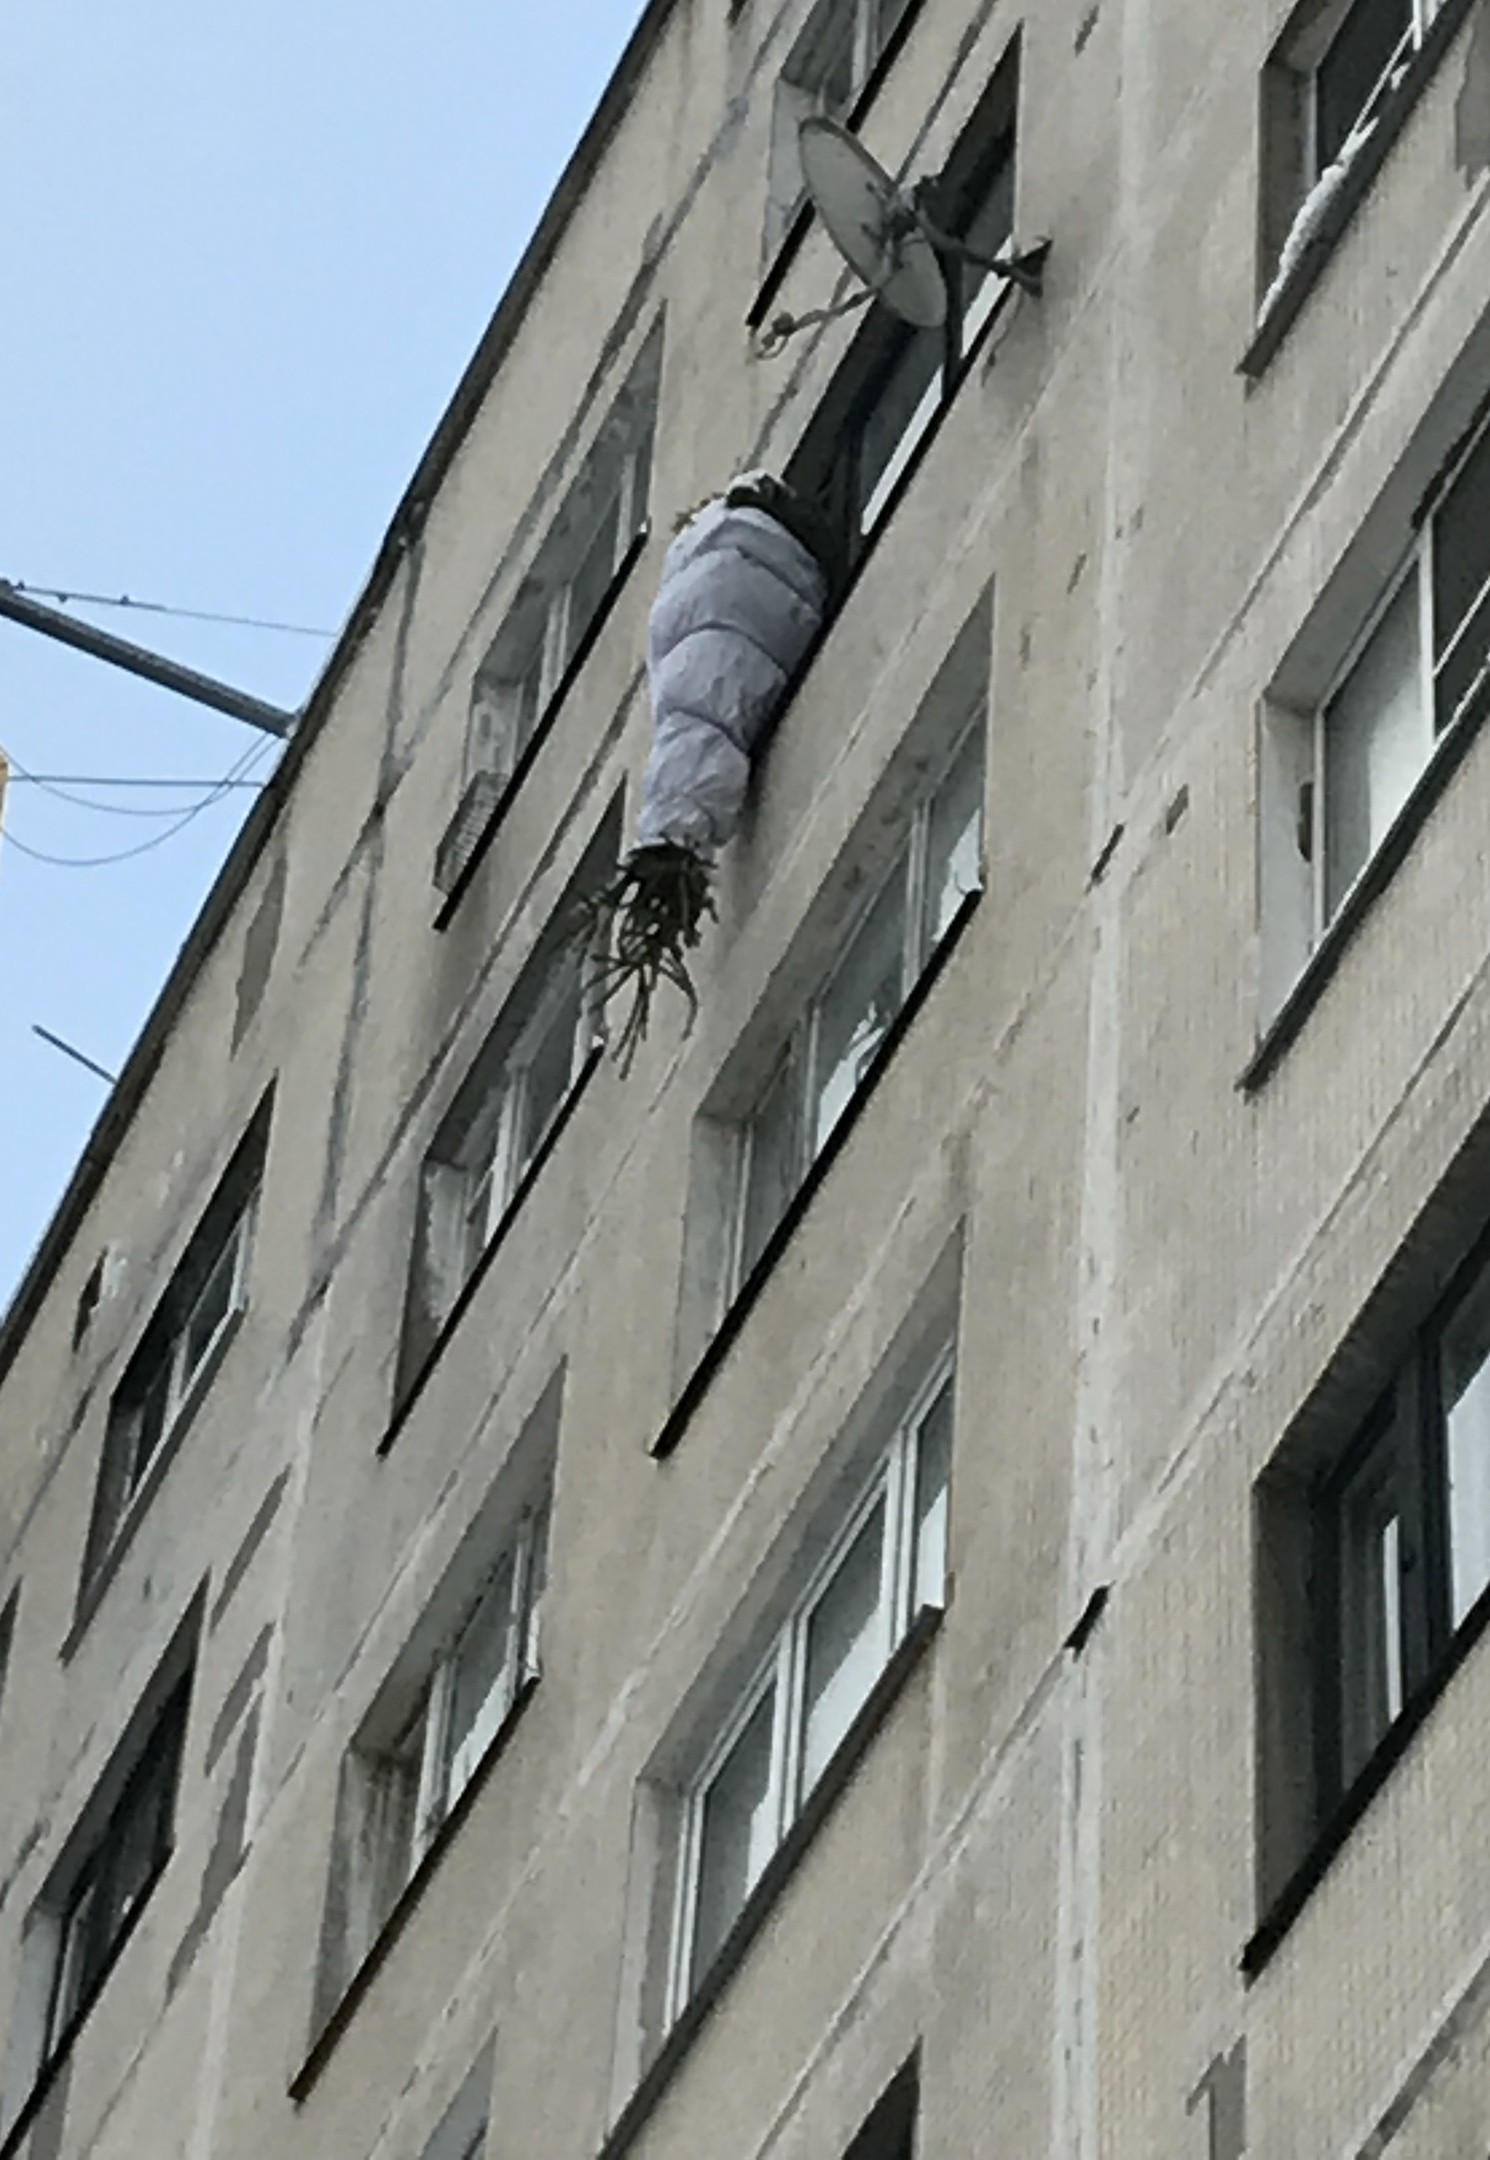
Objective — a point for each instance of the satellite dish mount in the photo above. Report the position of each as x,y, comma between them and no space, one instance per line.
887,236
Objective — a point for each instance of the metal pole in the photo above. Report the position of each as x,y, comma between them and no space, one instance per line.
119,652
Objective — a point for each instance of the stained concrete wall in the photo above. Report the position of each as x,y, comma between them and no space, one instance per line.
1043,1873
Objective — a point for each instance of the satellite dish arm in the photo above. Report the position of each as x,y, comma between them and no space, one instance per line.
1026,269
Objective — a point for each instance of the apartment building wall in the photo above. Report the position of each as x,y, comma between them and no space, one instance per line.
1163,1257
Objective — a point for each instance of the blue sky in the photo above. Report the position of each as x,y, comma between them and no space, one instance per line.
247,254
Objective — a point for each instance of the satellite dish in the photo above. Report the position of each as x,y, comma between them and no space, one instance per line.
886,235
874,225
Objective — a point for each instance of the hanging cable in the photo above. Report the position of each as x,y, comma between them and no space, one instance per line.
161,607
209,789
250,756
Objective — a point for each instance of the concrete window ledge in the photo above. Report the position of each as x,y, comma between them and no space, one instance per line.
1353,189
778,1871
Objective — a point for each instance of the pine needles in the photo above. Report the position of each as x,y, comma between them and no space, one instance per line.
641,928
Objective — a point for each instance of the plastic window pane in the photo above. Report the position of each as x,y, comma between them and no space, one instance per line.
737,1832
856,1009
549,1068
905,406
1460,548
1464,1372
771,1166
480,1685
1370,1557
954,844
846,1641
933,1478
1377,740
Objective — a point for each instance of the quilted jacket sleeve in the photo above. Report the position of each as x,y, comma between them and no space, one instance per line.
740,601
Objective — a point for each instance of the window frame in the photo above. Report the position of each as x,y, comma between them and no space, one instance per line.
981,170
1304,803
162,1363
1317,1692
1288,150
798,1058
892,1483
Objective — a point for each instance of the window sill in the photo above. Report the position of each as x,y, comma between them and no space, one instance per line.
489,1251
791,243
398,1919
46,2077
1353,188
774,1877
718,1347
1448,755
542,729
1301,1885
91,1594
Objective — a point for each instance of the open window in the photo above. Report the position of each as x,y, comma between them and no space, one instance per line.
887,397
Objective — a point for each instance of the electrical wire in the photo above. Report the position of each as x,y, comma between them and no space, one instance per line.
209,788
160,607
251,755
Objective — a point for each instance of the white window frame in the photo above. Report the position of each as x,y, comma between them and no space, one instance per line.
501,722
784,1665
802,1054
443,1775
492,1154
236,1253
1418,560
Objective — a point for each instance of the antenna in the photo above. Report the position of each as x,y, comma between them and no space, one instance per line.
886,235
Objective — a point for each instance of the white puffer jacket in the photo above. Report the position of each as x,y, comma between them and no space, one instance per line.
740,601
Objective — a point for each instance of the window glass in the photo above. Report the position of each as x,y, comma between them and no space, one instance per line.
858,1006
988,232
75,1961
1361,55
933,1475
214,1304
1460,543
847,1641
771,1165
592,575
1370,1559
1377,741
148,1423
905,402
550,1068
954,842
1464,1364
479,1685
737,1833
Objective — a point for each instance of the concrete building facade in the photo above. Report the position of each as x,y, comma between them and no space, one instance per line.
906,1575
